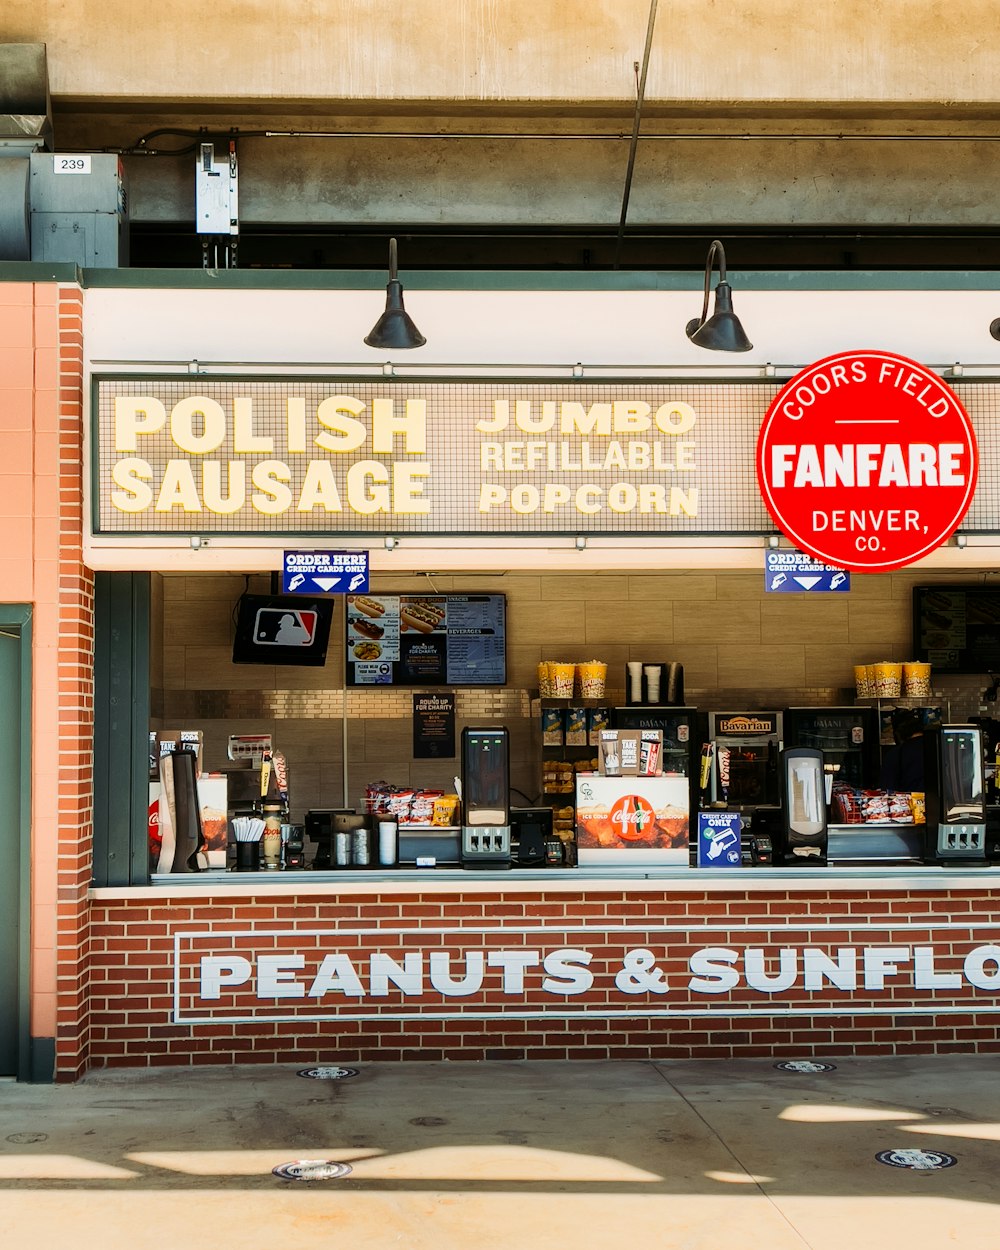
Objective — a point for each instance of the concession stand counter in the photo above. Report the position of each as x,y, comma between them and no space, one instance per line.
590,512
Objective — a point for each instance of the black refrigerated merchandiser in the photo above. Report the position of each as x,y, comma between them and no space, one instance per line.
683,730
847,736
744,772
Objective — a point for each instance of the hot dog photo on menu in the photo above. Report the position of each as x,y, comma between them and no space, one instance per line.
373,629
421,615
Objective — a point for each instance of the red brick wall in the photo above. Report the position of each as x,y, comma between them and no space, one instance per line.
75,681
132,967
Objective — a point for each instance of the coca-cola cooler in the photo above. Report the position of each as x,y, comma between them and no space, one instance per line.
683,730
626,821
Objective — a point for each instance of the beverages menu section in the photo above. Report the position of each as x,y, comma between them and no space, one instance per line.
426,640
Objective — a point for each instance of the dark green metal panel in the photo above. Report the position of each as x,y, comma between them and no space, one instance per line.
121,728
15,840
743,279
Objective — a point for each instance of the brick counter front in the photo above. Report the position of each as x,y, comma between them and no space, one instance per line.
640,969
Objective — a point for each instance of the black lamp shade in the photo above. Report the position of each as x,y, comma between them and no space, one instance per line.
722,331
395,327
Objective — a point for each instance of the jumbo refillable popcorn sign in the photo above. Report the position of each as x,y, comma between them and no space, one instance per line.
867,460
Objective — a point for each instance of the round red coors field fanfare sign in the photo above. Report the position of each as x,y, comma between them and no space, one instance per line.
867,460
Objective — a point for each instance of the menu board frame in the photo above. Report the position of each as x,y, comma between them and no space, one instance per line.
404,639
956,626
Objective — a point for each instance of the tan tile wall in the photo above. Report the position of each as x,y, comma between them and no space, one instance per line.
739,647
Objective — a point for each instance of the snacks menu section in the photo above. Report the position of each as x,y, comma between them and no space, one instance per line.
426,640
957,627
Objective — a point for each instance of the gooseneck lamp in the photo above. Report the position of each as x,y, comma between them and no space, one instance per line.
722,331
395,327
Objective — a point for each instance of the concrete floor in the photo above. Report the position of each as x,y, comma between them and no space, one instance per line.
677,1156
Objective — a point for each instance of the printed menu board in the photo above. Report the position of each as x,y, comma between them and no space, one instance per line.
426,640
956,628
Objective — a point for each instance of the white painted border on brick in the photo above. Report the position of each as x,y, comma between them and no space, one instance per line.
598,1013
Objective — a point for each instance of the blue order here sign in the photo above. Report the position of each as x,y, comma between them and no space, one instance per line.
793,572
325,572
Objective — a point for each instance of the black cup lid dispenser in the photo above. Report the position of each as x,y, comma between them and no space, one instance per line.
803,822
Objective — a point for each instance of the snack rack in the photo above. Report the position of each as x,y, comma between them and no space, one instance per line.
562,762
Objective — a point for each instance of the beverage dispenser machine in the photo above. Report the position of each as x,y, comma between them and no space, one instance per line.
486,798
955,798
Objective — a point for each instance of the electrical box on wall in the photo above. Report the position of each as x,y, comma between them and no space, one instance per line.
216,191
79,209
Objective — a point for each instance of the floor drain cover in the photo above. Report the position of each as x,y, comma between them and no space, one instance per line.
311,1170
917,1160
328,1074
805,1065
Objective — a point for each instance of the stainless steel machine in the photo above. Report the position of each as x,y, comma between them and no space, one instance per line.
486,798
955,795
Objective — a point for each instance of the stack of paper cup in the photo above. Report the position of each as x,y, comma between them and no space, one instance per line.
916,680
387,842
652,673
888,679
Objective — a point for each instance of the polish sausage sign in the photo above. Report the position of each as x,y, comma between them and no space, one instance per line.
867,460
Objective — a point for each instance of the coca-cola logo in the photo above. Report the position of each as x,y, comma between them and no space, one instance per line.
154,816
632,818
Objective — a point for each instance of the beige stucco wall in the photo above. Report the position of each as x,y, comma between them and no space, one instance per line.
899,51
118,71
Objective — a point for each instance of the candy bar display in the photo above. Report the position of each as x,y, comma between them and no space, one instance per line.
850,806
411,806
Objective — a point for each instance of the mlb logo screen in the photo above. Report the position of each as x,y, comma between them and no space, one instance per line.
285,627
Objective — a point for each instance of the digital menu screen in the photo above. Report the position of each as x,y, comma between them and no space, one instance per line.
426,640
956,628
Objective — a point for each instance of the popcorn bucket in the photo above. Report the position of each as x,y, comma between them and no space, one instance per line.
544,680
863,683
561,679
593,676
916,680
888,679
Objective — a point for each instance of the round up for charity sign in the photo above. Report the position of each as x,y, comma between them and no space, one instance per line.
867,460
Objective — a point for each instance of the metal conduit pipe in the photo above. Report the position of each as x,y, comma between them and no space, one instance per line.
140,147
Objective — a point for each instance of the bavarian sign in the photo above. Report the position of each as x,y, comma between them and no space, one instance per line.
867,460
